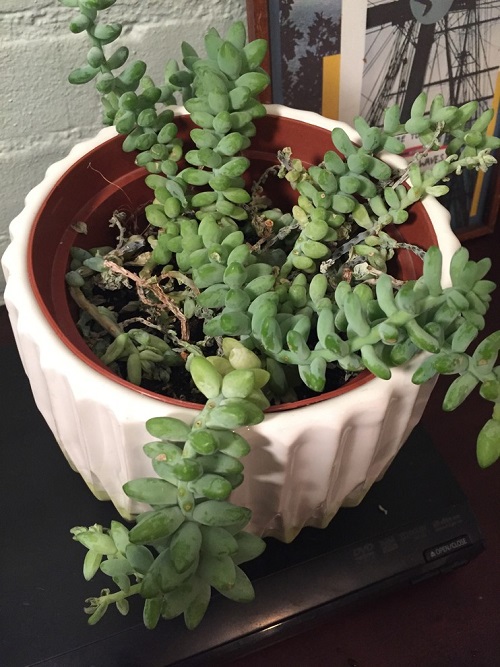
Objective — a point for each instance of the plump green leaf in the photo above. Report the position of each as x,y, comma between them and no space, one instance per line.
119,534
241,591
157,525
313,375
168,428
490,390
235,323
150,585
239,356
169,578
107,33
187,470
488,444
213,487
194,176
123,606
232,443
486,353
98,614
234,167
139,557
432,270
118,58
254,53
449,363
151,613
203,119
205,376
217,541
238,384
151,490
230,417
163,451
197,607
220,513
229,60
256,82
83,74
175,602
218,571
116,567
221,463
91,564
239,97
458,391
80,23
237,35
95,56
203,441
185,546
230,145
96,541
249,547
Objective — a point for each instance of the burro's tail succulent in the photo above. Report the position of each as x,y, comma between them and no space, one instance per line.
193,538
254,302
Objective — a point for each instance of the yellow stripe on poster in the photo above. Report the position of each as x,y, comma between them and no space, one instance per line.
491,129
331,86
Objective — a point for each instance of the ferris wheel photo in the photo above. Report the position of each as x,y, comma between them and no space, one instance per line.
448,46
343,58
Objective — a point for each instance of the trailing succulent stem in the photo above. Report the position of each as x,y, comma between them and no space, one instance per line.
192,538
305,292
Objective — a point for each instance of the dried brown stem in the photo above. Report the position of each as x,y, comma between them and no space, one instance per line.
163,299
181,278
106,323
142,320
264,229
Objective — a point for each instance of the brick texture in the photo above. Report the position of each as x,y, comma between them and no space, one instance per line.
41,114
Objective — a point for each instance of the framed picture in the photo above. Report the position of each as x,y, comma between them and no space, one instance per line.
342,58
304,49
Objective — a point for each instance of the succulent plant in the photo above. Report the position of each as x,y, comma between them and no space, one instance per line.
250,302
192,538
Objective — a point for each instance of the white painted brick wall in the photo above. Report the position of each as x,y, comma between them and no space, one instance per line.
41,114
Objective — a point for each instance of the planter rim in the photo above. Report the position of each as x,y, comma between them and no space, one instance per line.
56,172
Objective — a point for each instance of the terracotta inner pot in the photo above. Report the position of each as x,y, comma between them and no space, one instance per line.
106,180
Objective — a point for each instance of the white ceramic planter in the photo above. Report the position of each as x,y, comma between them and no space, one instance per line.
305,463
